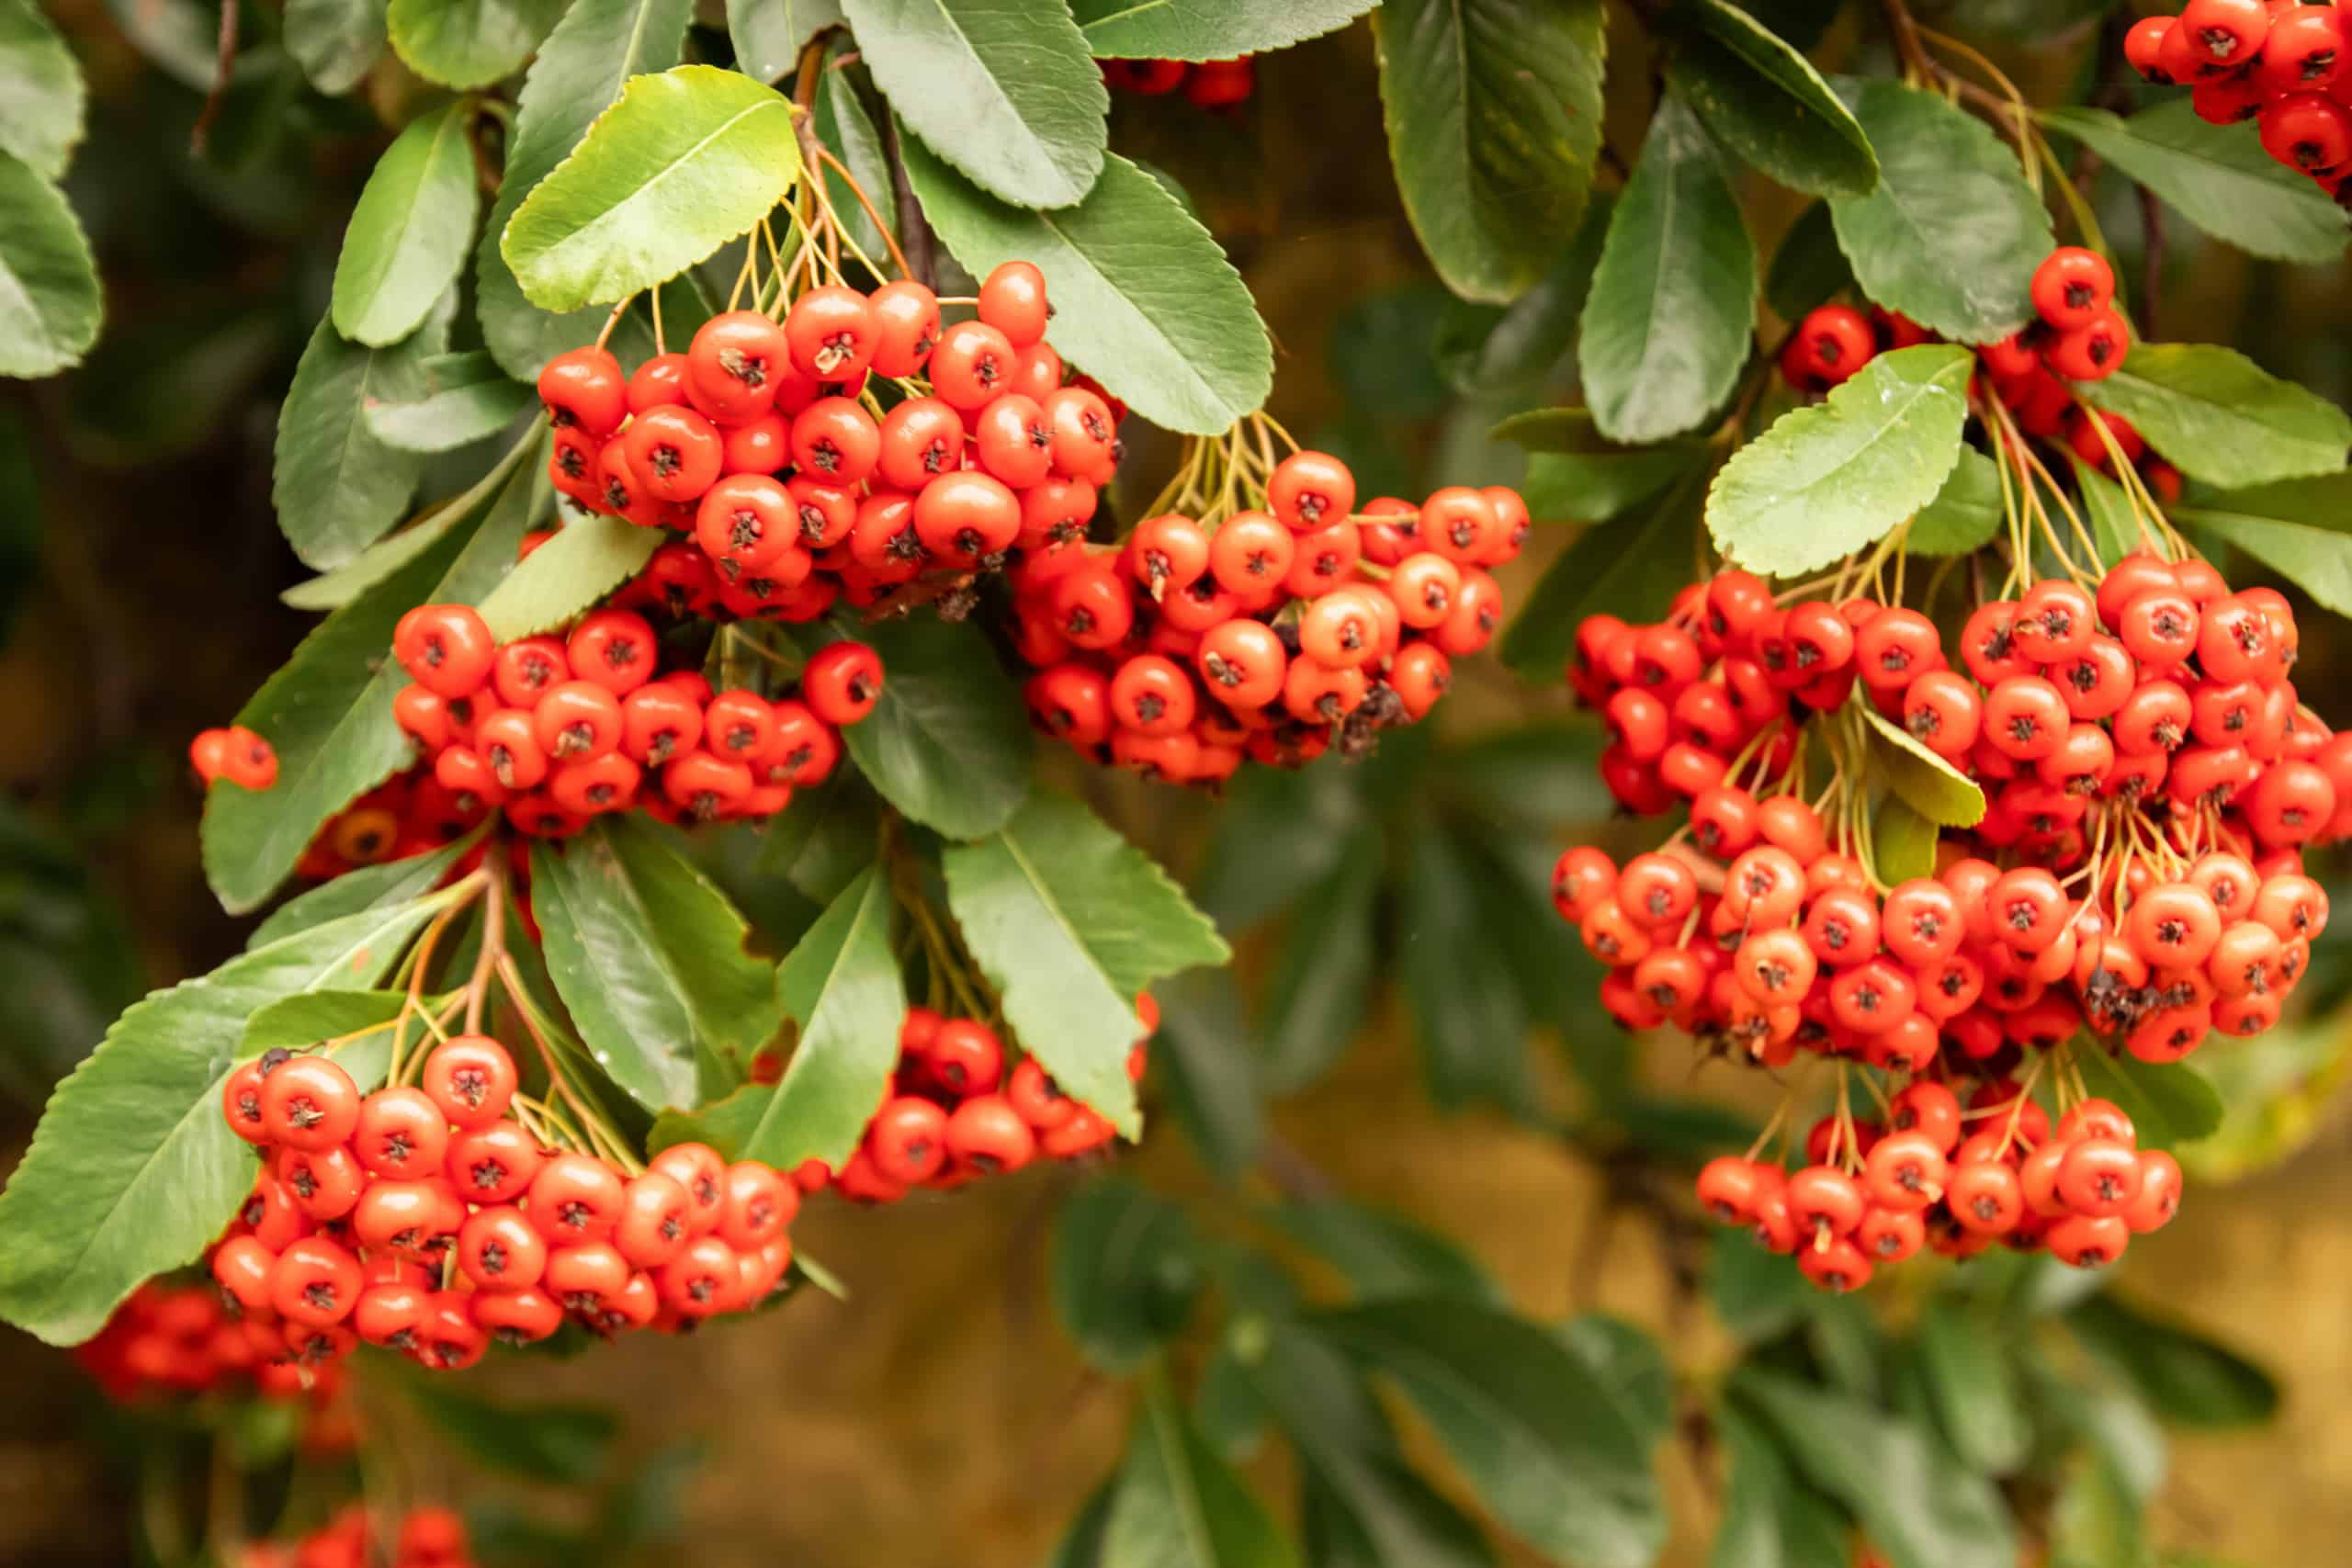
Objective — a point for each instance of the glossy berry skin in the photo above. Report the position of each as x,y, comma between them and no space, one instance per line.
734,364
309,1103
841,682
470,1079
2072,286
1012,300
1828,348
584,388
446,648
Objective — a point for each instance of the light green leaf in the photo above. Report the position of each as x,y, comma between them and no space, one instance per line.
1494,111
2217,178
41,91
2183,1374
1772,1519
1952,235
2219,417
687,161
1126,1268
133,1170
48,282
1385,1255
649,958
2169,1102
336,487
1823,481
1767,103
1001,89
1966,1359
768,35
1069,921
367,888
576,569
468,43
408,236
948,743
1965,514
1207,29
1176,1506
1145,300
1631,569
1924,781
336,43
1673,305
2097,1522
466,399
1904,841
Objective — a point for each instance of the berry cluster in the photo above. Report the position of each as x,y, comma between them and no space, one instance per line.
1269,635
2080,336
427,1219
768,447
2280,63
558,731
173,1339
2138,872
427,1538
1207,84
236,754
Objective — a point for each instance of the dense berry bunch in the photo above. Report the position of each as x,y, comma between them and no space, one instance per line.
2280,64
2150,777
176,1340
1269,635
558,731
768,447
433,1217
1209,84
425,1537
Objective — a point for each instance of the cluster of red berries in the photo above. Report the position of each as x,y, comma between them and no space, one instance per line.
426,1219
560,730
1270,636
2274,61
1875,1193
173,1339
953,1113
426,1538
236,754
2080,336
767,445
1207,84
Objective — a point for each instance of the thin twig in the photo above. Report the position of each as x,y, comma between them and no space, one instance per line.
224,66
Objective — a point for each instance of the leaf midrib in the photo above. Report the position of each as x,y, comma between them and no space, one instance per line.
409,205
1184,1483
589,232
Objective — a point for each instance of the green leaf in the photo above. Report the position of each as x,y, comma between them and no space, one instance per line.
336,487
1628,569
1808,269
2169,1102
1281,832
1207,29
1772,1519
468,43
1483,348
1469,1013
1965,514
1953,235
571,571
1208,1064
1145,300
1082,1545
1757,1295
2115,526
2184,1375
1176,1506
2219,417
329,710
1494,112
1919,1509
948,743
2221,181
566,1444
1599,486
1673,305
1823,481
48,282
394,882
2097,1523
687,161
1323,982
1924,781
1003,91
1535,1433
1767,103
1126,1268
2300,528
40,86
1631,1366
133,1170
843,126
1383,1255
579,71
769,34
1903,841
336,43
408,236
466,399
1965,1356
1069,921
648,959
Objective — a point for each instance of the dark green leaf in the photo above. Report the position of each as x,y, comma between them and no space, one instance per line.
1208,1062
1953,235
1964,515
2096,1522
2219,417
337,488
382,886
1280,833
41,87
1494,111
1631,570
1919,1509
48,283
1808,269
2300,528
1082,1547
564,1444
133,1170
1631,1366
2169,1102
1069,921
1383,1255
1126,1268
1924,781
844,126
1825,481
1482,348
648,959
1538,775
1772,1519
2220,180
1673,304
467,398
468,43
1904,841
769,34
1469,1014
1966,1355
1683,1128
408,235
948,743
1597,487
1145,300
157,387
1536,1433
1176,1506
1757,1295
1767,103
1385,349
336,41
1322,982
1007,94
1208,30
567,574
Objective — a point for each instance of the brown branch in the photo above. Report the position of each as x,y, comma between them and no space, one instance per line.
224,65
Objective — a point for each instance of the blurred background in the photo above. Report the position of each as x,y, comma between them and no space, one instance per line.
939,1415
